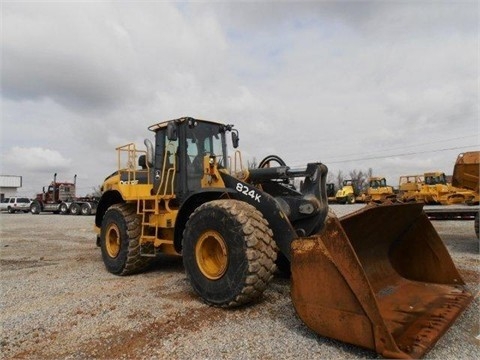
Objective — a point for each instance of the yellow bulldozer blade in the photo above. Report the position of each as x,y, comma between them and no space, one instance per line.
380,278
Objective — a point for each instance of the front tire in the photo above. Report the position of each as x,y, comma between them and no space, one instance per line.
228,252
35,208
120,240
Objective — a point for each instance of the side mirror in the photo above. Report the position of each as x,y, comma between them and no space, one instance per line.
172,131
235,138
149,156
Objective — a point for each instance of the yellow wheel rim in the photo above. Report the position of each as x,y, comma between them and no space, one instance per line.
211,255
112,240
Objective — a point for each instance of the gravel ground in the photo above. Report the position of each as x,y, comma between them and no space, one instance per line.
58,301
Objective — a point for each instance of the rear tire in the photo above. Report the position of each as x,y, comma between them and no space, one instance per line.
351,199
228,252
74,209
86,209
120,240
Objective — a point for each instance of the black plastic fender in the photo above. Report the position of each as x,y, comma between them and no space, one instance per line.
283,231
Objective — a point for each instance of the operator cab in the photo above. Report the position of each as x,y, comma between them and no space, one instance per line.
378,183
180,148
435,178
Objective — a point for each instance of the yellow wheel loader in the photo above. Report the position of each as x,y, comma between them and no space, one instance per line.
380,278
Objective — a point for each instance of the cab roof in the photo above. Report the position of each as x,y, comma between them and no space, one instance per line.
163,124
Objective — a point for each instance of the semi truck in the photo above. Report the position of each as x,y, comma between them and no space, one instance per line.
60,198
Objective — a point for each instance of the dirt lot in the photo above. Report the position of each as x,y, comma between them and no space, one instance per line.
58,301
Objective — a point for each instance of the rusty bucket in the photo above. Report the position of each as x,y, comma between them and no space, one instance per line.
380,278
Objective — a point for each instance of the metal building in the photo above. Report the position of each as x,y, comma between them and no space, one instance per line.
9,185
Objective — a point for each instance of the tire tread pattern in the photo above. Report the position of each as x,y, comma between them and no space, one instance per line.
134,262
261,250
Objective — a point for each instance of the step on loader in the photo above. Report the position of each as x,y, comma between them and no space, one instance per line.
380,278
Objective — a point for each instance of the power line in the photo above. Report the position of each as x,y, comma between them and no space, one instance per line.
397,155
413,145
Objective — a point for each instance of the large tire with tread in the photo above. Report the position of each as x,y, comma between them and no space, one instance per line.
228,252
120,240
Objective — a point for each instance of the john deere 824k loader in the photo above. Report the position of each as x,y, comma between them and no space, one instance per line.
380,278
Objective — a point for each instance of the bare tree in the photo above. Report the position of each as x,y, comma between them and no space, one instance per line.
96,191
340,178
330,178
359,178
370,172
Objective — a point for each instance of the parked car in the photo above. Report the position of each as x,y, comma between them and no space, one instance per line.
4,204
15,204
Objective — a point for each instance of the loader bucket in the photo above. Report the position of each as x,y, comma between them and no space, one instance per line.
380,278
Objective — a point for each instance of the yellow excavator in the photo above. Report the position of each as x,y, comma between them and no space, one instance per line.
380,278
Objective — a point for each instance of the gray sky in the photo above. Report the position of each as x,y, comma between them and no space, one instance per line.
387,85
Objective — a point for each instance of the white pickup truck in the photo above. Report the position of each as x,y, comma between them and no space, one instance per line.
15,204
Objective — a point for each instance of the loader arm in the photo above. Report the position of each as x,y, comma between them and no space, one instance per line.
290,213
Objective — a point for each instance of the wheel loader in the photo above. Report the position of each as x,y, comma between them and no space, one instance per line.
380,278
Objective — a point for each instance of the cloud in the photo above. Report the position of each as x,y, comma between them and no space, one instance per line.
36,159
308,81
71,60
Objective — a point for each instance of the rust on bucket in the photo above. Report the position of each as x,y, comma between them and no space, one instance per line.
380,278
